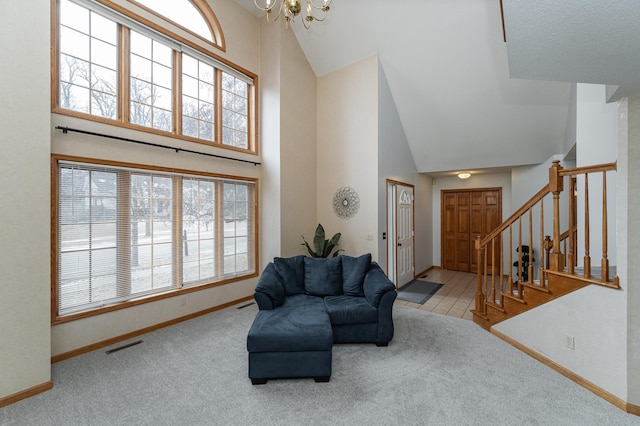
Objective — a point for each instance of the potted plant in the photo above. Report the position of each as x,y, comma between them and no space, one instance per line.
322,246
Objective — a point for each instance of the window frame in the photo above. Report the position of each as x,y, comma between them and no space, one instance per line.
57,318
123,80
200,5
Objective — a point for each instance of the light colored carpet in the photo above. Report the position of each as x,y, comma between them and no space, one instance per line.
437,370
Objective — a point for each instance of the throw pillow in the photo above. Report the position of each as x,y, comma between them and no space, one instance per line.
353,271
271,285
291,271
323,277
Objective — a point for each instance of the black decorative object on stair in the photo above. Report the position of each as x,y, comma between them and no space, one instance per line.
526,257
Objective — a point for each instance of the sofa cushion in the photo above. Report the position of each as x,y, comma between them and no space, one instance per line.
322,276
350,310
291,271
291,329
271,285
353,272
302,300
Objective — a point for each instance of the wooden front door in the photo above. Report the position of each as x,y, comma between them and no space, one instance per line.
465,216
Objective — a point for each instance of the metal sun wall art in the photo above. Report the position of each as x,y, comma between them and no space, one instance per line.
346,202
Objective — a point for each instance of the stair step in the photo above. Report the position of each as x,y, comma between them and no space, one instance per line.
596,272
559,284
514,297
496,306
535,287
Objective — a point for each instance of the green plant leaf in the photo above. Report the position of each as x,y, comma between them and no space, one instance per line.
319,242
336,253
330,244
327,249
321,246
311,252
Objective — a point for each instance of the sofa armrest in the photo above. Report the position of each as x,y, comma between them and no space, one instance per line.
376,284
269,293
263,301
385,318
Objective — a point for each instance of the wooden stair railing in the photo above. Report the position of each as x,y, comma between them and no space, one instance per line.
501,294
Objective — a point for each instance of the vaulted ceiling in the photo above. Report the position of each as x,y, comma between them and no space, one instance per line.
466,99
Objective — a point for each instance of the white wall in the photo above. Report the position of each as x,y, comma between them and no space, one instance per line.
347,152
494,180
629,226
596,133
570,135
395,162
25,349
595,316
423,223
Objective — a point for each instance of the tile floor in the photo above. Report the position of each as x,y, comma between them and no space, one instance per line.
455,298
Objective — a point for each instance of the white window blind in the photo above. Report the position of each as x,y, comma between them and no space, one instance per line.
128,233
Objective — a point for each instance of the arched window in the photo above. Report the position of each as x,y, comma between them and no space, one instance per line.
137,68
195,16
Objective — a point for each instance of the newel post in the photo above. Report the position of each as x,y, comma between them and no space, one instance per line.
481,307
556,186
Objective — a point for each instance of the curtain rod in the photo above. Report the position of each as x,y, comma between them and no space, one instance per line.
65,130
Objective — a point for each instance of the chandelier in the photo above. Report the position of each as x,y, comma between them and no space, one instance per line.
289,9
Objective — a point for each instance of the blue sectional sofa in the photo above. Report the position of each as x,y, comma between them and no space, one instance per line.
308,304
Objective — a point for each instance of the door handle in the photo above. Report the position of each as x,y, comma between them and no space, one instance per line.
399,245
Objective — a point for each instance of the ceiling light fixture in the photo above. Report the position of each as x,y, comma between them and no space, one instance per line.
292,8
464,175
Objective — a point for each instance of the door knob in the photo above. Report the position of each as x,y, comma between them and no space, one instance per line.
399,245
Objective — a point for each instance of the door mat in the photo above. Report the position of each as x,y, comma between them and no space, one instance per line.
418,291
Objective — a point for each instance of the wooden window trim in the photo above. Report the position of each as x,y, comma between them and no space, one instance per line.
123,116
58,319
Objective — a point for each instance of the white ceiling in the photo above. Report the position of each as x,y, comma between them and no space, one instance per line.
447,68
588,41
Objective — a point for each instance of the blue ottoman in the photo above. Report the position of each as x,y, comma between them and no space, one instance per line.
291,342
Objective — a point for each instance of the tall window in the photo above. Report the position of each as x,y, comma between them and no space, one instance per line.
234,111
125,233
198,98
151,65
168,86
88,62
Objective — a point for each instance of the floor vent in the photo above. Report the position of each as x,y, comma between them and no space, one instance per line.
244,306
128,345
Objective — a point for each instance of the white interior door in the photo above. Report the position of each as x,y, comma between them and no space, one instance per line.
391,231
404,235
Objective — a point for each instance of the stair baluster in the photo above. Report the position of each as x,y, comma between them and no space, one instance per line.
556,253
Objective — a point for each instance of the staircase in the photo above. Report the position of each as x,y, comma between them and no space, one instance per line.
502,293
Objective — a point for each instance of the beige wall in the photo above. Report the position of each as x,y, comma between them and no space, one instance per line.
24,193
298,160
288,123
348,152
270,188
